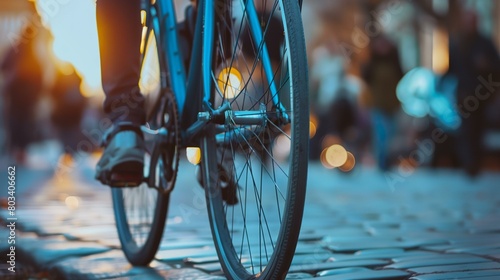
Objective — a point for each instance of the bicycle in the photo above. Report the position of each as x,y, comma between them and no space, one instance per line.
242,99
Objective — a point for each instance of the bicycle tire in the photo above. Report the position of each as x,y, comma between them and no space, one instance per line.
234,155
150,198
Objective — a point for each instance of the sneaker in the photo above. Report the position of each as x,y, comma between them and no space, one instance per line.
122,163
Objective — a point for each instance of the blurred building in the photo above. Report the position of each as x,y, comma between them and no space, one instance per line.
13,16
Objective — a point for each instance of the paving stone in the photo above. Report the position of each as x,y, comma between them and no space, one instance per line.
340,264
177,255
485,252
381,224
389,253
201,260
381,254
311,236
490,274
456,267
340,271
310,258
375,244
308,248
211,264
362,274
446,226
493,227
444,260
185,244
209,267
439,248
187,273
291,276
386,232
426,256
474,248
43,252
422,242
473,238
111,264
465,245
351,232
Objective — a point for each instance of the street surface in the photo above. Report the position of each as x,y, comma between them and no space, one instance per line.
422,224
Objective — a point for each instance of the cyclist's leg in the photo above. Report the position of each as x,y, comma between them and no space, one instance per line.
119,30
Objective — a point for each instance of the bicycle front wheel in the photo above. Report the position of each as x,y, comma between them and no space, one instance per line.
254,157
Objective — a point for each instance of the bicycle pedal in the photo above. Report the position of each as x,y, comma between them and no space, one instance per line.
126,180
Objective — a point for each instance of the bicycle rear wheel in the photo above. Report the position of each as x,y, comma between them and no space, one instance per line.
256,153
140,212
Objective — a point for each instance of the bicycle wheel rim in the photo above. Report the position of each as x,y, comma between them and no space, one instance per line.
266,251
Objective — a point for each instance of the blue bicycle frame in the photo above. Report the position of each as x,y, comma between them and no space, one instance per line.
200,76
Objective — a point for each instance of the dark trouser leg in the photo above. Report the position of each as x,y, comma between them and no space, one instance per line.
470,143
119,30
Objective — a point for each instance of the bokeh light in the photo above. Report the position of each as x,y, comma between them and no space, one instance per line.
72,202
323,160
336,155
193,155
230,82
349,164
313,125
414,90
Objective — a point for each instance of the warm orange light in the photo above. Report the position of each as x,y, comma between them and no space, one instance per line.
323,160
408,164
312,129
313,119
193,155
72,202
144,30
230,82
349,164
440,52
336,155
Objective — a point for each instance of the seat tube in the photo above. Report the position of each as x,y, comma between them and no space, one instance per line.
208,47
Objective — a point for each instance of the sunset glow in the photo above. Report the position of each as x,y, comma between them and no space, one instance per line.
73,24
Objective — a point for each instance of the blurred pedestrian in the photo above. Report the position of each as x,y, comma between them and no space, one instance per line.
22,90
68,105
473,58
335,102
382,75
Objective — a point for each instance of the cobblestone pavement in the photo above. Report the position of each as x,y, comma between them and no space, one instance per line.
425,225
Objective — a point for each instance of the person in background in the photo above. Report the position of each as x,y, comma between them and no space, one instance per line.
472,56
382,75
68,105
22,90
